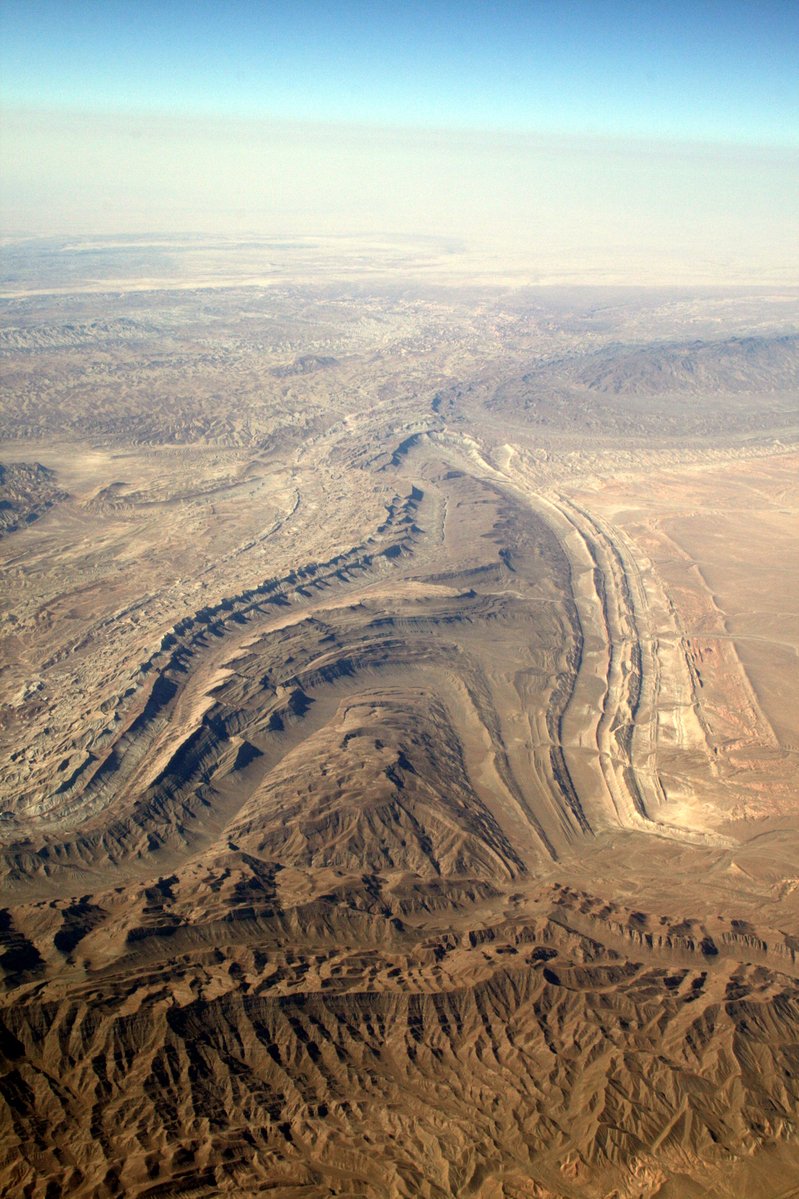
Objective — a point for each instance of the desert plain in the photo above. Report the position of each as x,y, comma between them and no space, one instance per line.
399,727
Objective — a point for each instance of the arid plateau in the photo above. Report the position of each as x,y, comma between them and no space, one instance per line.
399,728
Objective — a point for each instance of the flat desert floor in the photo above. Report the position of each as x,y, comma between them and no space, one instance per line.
399,728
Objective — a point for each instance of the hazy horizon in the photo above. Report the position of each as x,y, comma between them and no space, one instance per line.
639,144
399,717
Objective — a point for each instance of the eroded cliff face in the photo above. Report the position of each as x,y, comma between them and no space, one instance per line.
419,820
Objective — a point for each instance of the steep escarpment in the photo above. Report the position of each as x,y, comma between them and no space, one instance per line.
398,743
409,620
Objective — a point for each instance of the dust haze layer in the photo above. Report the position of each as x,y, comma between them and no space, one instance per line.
398,730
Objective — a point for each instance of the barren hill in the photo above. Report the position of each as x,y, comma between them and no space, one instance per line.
399,737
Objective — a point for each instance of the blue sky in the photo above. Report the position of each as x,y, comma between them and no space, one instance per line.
653,140
722,71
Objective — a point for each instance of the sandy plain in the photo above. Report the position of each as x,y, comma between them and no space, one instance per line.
398,731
